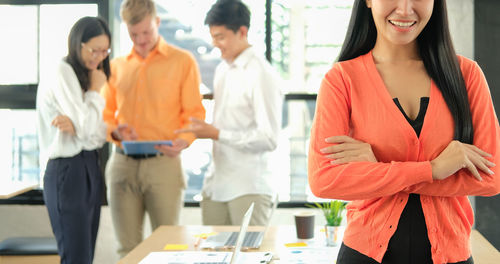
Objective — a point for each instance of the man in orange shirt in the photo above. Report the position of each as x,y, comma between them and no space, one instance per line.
153,91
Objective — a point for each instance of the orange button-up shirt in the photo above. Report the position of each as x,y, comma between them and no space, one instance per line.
155,95
353,101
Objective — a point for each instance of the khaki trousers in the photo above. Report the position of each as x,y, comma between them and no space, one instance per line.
232,212
135,186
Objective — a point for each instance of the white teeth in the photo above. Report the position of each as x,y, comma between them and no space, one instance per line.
401,24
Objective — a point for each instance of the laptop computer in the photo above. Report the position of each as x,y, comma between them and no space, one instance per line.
227,240
208,257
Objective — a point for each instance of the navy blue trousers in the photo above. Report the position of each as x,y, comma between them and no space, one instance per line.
73,190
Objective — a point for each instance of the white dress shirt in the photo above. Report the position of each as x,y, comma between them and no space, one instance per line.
60,93
247,111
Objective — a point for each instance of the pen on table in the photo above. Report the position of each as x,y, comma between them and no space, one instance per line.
197,242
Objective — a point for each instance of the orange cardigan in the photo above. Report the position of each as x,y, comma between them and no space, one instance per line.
353,101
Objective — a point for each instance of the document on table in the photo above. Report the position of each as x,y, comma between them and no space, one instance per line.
205,257
309,255
186,257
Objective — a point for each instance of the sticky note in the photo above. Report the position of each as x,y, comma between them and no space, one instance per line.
205,235
299,244
176,247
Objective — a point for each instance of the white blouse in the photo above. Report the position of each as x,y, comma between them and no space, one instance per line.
60,93
247,111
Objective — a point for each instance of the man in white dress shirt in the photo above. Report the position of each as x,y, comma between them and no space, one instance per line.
247,120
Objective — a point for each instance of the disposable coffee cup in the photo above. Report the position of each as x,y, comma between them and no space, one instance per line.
304,223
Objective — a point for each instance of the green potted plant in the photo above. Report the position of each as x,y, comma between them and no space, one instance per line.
333,212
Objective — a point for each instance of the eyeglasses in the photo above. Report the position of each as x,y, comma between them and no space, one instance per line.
96,53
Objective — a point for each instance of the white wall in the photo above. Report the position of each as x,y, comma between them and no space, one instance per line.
461,18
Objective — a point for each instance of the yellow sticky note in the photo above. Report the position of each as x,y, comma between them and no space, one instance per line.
299,244
175,247
205,235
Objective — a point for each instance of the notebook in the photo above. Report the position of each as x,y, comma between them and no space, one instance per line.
209,257
226,240
143,147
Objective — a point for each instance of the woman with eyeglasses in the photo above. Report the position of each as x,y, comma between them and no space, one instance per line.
71,129
406,130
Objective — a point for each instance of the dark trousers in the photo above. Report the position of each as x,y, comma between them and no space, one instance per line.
73,189
348,255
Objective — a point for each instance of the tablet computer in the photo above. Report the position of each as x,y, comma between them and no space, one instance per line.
143,147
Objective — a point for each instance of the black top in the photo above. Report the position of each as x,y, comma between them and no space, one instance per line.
410,243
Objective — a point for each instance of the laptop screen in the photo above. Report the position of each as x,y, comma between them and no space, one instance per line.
241,235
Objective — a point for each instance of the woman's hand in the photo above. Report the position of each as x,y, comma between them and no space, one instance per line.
97,80
348,149
64,124
458,155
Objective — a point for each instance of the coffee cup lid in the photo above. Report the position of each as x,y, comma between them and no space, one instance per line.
305,213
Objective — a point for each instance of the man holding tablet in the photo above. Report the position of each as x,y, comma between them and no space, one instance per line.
152,92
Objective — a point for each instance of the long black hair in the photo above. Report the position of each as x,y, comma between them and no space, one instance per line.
81,32
436,50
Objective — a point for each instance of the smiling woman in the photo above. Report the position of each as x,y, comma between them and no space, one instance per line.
71,129
433,140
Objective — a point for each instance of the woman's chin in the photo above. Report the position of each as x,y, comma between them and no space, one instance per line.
92,67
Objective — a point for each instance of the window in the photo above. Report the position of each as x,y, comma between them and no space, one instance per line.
306,39
19,57
19,152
